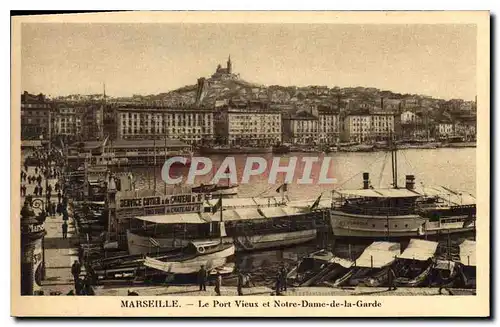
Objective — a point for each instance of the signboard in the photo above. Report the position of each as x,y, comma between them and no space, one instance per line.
184,200
37,265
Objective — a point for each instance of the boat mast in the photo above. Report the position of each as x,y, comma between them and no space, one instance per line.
394,161
154,164
221,221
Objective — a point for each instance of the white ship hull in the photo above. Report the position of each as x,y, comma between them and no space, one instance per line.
138,244
361,226
210,261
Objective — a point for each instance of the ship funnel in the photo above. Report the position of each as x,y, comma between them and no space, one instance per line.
366,181
410,182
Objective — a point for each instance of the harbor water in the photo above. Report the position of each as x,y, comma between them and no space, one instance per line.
453,168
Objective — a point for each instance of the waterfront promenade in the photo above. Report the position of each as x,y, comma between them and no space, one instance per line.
59,253
193,290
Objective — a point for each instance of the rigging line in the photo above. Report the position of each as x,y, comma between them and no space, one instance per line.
408,162
373,162
382,171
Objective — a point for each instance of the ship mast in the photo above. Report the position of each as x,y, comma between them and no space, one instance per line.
394,161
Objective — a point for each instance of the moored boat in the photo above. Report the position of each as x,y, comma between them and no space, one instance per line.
249,229
468,263
414,265
371,267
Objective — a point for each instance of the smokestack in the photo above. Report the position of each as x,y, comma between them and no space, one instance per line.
366,181
410,182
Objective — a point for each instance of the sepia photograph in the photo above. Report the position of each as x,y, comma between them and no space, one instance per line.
250,164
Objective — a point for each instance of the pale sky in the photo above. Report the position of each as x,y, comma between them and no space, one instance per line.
61,59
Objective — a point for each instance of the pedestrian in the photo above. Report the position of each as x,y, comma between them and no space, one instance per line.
202,278
56,187
76,269
29,179
36,170
284,277
278,283
59,196
241,282
40,190
35,190
391,276
65,214
65,230
53,208
25,166
218,283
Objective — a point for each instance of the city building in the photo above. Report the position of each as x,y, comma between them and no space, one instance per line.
356,128
368,126
382,125
249,123
67,121
328,126
445,128
92,122
190,125
36,117
302,127
466,128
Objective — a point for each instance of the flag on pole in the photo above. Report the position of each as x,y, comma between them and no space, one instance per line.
316,203
154,242
283,188
217,206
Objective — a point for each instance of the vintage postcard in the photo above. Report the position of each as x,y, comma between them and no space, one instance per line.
252,164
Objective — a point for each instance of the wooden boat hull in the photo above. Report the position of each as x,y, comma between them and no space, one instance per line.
373,227
191,266
138,244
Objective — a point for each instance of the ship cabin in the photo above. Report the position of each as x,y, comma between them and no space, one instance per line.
378,202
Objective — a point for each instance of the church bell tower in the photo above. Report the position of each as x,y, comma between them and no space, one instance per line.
229,65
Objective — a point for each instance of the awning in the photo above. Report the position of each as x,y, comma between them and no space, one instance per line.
268,201
419,250
378,255
273,212
468,253
234,215
181,218
234,202
381,193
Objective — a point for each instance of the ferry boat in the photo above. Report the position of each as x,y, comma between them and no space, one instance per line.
249,229
407,212
129,152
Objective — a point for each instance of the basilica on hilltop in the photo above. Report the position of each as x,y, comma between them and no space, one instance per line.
225,73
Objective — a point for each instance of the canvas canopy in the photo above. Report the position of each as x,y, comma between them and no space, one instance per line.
234,215
182,218
468,253
378,255
381,193
419,250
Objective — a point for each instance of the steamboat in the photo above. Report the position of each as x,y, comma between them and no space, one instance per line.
401,212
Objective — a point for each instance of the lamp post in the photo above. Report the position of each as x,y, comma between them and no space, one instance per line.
32,247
